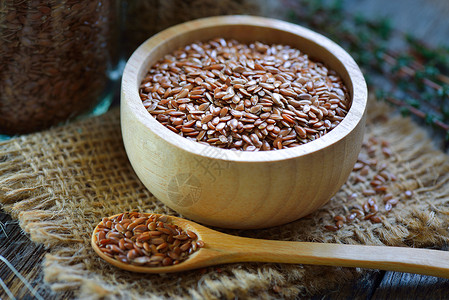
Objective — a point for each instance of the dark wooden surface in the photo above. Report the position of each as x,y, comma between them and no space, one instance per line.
26,257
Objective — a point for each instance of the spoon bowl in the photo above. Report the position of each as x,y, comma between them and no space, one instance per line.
220,248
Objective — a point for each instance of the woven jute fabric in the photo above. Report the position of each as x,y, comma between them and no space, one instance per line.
61,182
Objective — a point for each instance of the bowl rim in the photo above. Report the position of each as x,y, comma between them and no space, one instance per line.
133,69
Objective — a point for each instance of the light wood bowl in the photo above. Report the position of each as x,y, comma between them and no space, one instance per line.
237,189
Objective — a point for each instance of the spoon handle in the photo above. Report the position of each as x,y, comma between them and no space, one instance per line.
411,260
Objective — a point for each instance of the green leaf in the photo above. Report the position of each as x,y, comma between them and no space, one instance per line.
383,28
404,111
430,119
380,94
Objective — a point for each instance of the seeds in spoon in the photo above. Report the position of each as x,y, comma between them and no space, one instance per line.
145,240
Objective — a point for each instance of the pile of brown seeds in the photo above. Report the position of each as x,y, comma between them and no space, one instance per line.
145,240
375,178
244,96
54,59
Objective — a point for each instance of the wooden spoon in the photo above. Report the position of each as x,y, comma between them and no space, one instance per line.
221,248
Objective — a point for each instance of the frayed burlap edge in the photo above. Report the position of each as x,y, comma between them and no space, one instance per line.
27,194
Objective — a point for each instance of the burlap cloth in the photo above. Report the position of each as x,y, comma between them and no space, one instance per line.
61,182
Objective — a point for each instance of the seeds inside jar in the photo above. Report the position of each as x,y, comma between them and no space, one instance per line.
145,240
55,57
252,97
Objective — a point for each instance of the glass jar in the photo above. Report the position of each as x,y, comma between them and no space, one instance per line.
56,60
145,18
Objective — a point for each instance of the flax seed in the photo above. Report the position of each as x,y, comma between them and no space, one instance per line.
408,194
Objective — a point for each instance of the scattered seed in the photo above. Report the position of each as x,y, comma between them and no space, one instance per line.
408,194
387,152
380,189
339,224
376,219
368,192
358,166
364,171
387,197
340,218
331,227
393,201
359,178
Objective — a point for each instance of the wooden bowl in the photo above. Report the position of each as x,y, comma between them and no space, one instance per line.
238,189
